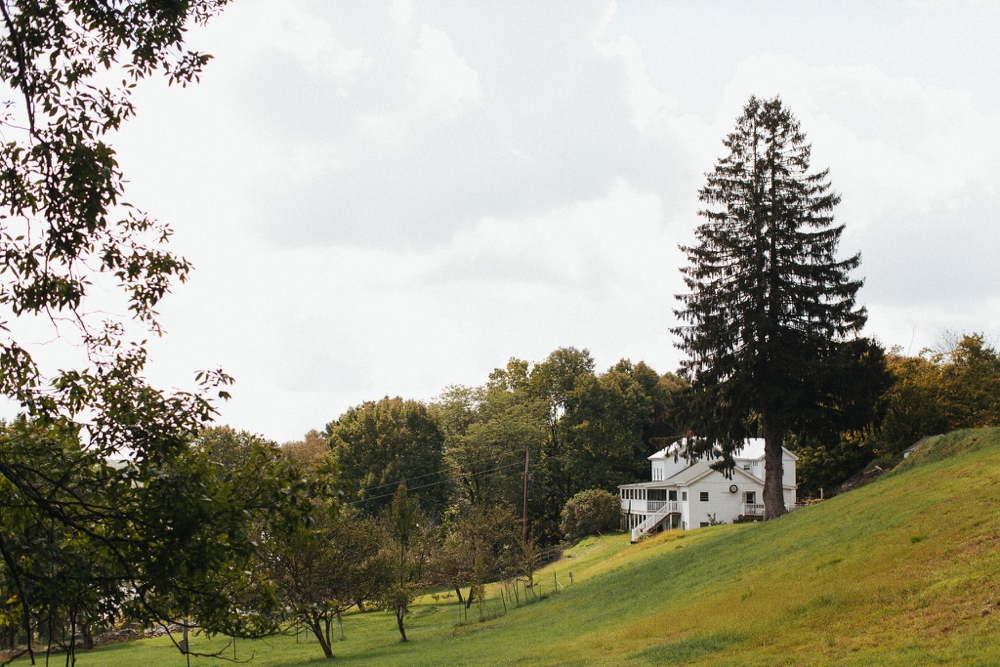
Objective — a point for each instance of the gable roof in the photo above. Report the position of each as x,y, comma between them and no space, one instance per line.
912,448
671,450
752,450
701,469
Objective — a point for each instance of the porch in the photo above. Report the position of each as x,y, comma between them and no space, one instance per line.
755,511
660,512
644,499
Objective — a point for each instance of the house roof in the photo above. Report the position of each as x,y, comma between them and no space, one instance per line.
701,469
669,451
752,450
912,448
692,474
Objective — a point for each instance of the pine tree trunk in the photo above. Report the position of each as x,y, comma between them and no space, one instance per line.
774,495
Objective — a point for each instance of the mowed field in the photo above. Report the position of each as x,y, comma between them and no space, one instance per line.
905,571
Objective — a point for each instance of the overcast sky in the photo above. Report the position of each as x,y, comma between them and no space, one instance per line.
389,198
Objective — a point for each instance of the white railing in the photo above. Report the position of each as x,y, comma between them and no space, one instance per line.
668,507
757,509
633,506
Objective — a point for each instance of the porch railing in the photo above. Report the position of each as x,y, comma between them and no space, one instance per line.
667,507
757,509
657,505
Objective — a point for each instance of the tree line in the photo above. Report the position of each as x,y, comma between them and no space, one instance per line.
577,429
935,391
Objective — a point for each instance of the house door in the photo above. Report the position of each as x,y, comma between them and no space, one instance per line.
751,498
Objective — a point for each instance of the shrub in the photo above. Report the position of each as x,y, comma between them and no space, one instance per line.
589,512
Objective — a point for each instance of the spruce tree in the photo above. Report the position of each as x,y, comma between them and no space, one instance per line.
771,322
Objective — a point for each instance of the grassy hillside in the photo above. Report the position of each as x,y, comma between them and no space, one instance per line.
901,572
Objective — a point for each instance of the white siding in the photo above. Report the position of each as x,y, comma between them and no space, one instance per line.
668,465
723,503
788,470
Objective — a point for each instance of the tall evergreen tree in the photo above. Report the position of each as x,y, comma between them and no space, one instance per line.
771,322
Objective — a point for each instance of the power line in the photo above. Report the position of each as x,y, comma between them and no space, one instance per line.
423,486
437,472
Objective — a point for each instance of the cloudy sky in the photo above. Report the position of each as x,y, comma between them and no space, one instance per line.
389,198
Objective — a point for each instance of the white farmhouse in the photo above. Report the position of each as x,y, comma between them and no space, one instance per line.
683,495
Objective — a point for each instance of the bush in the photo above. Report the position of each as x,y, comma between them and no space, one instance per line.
589,512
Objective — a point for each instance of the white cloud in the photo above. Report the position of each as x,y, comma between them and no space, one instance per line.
340,325
291,28
646,101
443,82
896,148
590,246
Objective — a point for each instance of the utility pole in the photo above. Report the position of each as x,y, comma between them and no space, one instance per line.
524,516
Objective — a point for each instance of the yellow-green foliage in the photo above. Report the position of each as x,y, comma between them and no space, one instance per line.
900,572
936,392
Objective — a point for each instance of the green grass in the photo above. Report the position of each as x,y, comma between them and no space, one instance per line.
900,572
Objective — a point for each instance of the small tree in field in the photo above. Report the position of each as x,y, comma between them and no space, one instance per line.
487,537
589,512
321,569
771,322
405,555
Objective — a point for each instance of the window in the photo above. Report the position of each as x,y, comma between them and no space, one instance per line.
673,495
746,466
703,524
684,496
703,496
751,497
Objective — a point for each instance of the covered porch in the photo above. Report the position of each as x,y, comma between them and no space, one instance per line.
650,507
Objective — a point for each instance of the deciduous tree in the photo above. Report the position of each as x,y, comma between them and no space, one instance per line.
321,568
379,444
166,525
489,537
407,552
589,512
